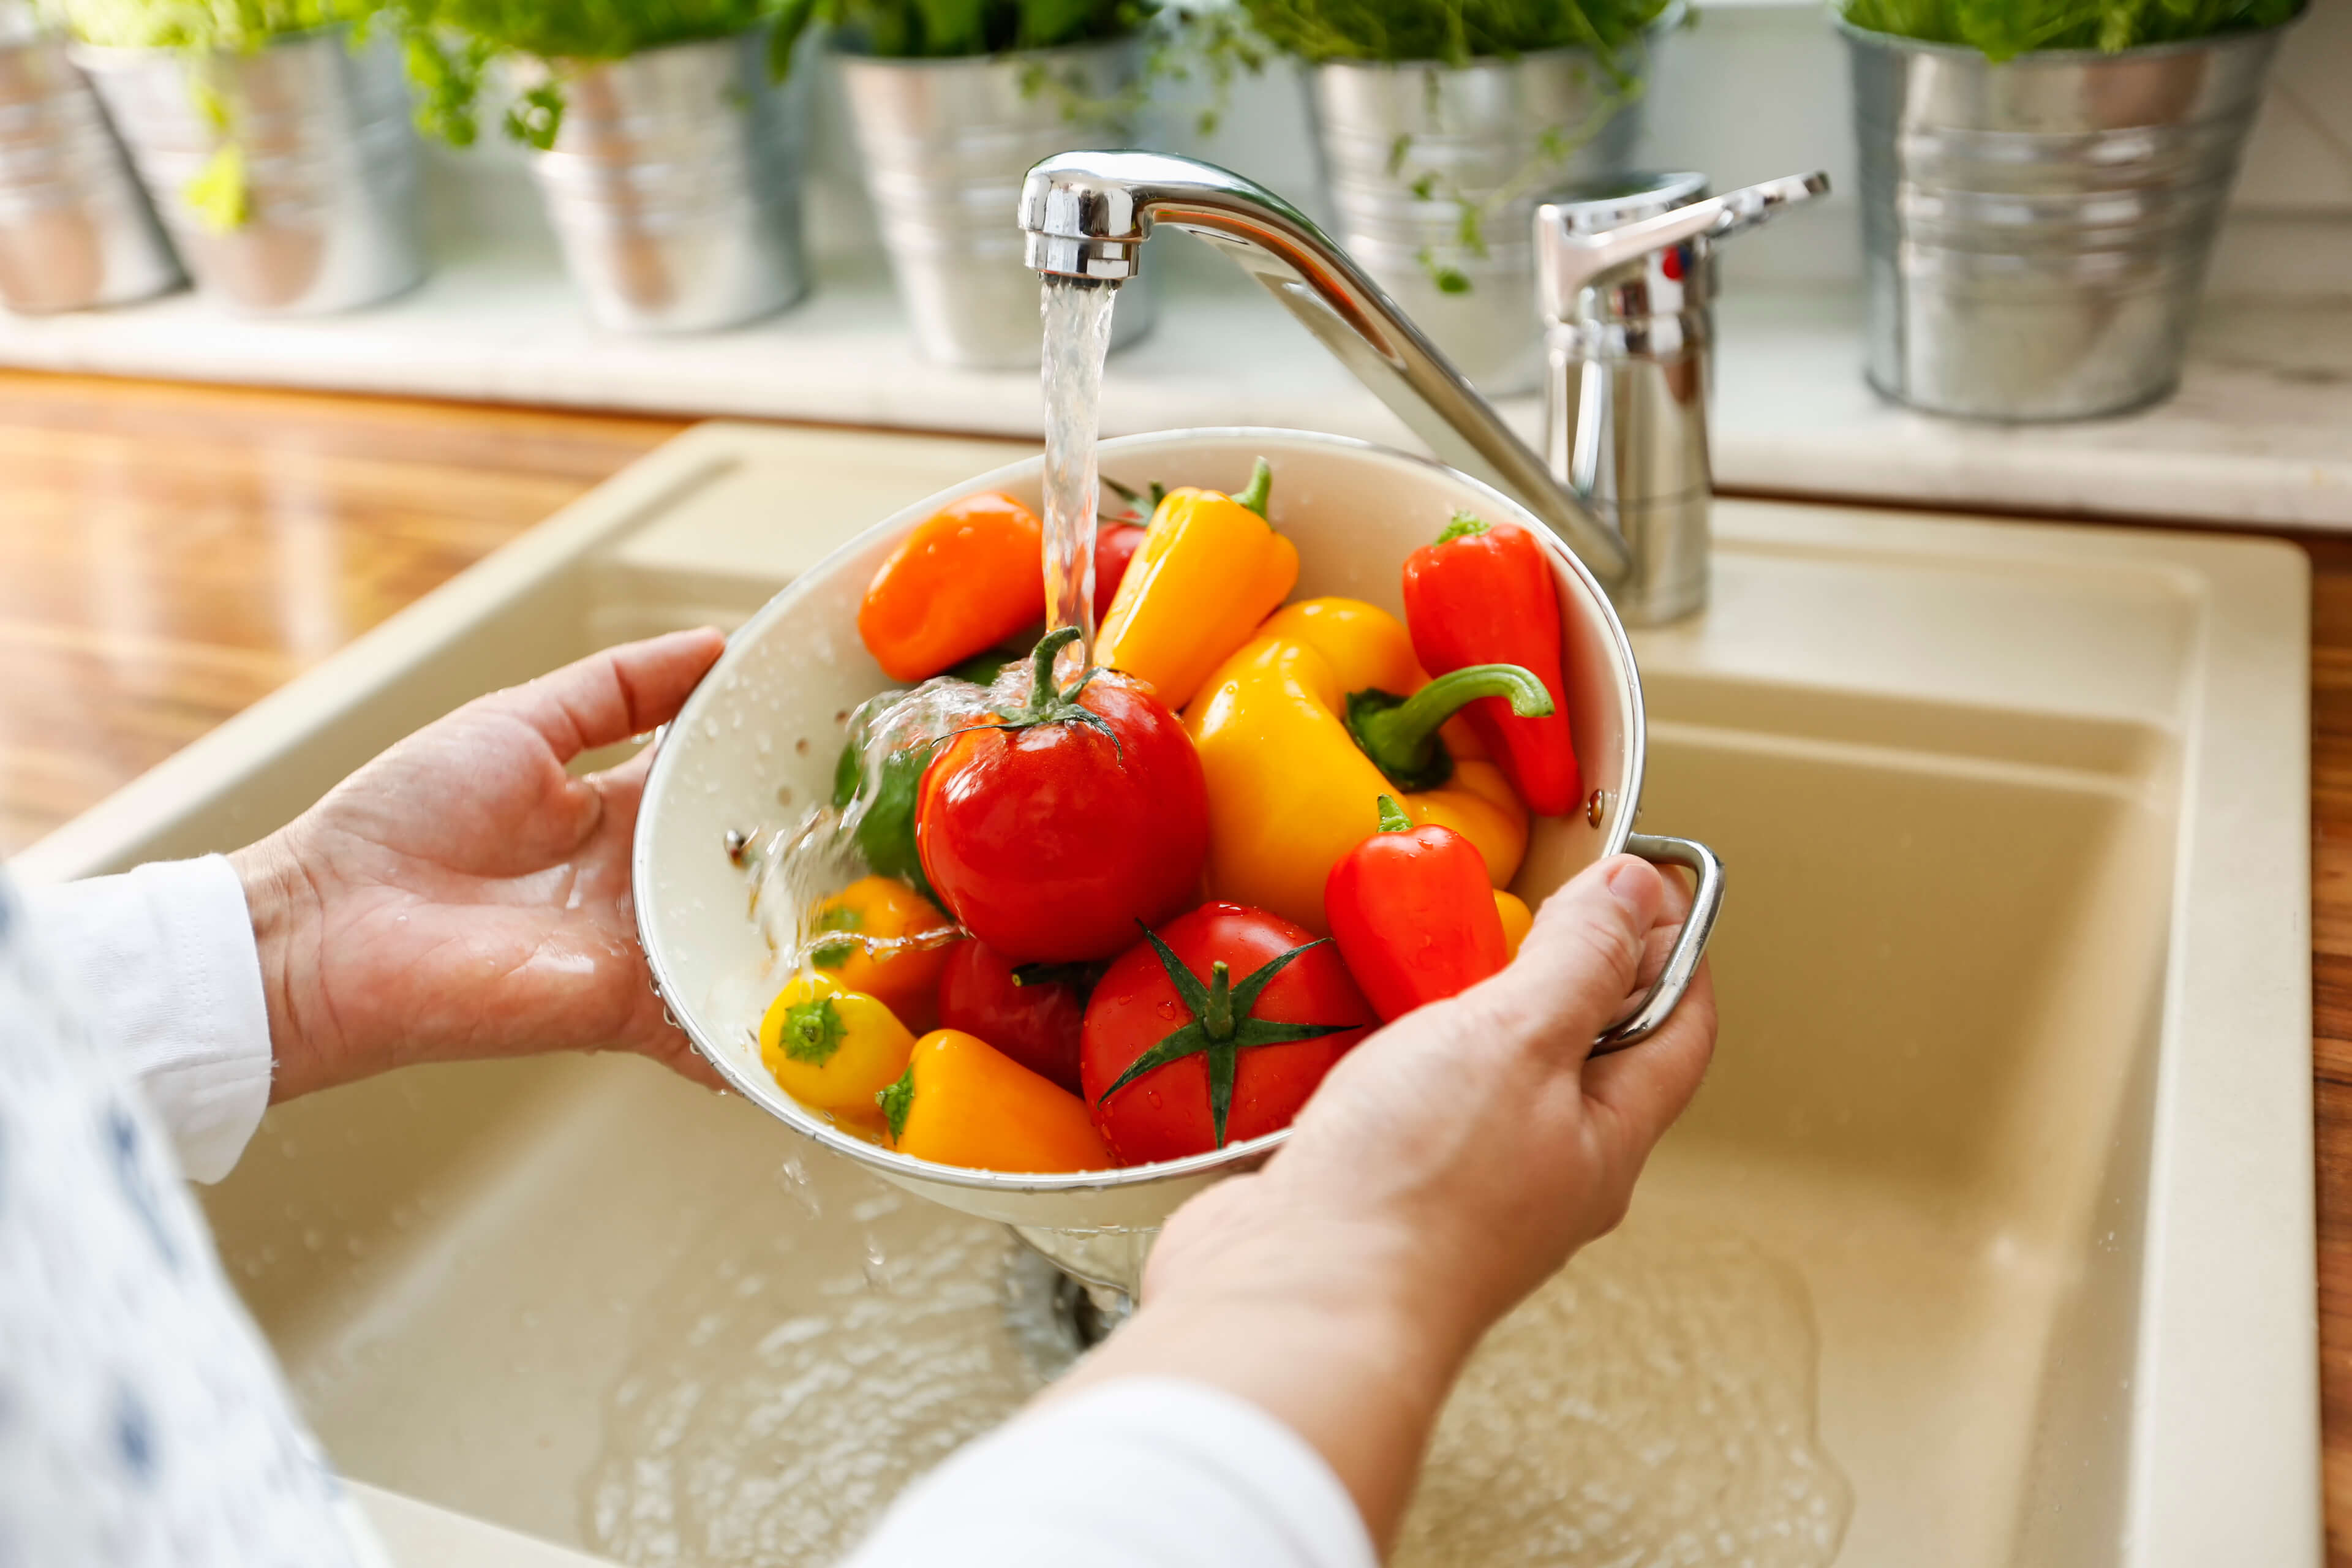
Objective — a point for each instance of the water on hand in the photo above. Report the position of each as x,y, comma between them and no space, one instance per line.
1078,314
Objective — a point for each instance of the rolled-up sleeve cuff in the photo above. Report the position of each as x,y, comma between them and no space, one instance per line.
162,963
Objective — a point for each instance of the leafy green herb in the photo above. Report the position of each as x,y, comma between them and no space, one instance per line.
451,43
236,27
2006,28
1452,31
954,29
217,191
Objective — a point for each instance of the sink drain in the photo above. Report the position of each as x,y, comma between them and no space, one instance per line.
1056,1319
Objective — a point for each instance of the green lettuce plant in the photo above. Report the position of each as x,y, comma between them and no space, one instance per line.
2006,28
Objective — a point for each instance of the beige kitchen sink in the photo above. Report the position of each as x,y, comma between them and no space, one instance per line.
1997,1203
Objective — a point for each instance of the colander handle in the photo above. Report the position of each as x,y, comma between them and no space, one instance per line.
1706,902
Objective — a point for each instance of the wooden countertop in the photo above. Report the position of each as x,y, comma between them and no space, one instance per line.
170,554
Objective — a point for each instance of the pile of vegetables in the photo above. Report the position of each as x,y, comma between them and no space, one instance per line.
1136,911
2006,28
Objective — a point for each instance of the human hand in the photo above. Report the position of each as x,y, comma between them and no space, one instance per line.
1447,1166
463,896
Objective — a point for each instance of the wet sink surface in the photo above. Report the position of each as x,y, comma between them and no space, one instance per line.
2001,1177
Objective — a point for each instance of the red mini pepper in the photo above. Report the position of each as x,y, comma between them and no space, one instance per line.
1484,593
1413,914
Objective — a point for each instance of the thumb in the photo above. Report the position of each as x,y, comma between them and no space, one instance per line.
1582,960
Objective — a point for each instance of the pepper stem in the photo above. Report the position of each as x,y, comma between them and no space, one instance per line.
1400,734
1462,524
1392,816
1261,488
896,1102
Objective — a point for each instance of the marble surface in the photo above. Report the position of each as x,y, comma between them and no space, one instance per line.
2261,433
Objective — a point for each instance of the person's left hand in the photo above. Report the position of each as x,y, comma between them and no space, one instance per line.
463,896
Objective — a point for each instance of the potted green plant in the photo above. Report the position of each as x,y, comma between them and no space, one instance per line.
952,100
1442,121
274,139
668,139
2041,182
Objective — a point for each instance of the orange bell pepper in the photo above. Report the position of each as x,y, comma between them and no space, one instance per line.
963,1102
1210,568
873,915
968,577
1518,920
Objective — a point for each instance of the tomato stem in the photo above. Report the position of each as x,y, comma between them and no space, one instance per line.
1222,1025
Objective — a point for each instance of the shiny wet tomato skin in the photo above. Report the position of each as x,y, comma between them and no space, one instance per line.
1050,842
1037,1025
1165,1114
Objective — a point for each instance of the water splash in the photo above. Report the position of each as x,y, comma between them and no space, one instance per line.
1652,1406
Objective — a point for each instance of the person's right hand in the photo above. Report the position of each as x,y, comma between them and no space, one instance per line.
1477,1143
1447,1166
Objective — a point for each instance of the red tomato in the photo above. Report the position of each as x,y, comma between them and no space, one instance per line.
1139,1006
1114,545
1036,1024
1050,834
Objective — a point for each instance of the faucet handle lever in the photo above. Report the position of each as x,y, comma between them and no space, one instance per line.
1574,257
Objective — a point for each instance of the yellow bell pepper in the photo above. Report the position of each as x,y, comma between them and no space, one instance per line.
872,915
1291,787
962,1101
1210,568
832,1049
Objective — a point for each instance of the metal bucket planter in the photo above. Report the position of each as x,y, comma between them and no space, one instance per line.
2036,232
329,167
75,228
945,146
674,185
1410,149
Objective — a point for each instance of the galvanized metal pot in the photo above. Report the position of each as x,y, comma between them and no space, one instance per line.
331,166
2036,232
674,185
945,145
1409,148
75,228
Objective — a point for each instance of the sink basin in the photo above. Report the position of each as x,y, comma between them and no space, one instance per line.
2004,1163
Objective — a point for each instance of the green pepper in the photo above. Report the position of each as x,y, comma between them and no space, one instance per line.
885,833
982,668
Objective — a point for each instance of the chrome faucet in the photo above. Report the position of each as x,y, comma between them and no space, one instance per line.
1086,215
1626,281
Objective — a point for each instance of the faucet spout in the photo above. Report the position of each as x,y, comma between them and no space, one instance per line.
1087,215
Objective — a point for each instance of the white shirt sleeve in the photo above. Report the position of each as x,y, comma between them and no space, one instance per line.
1140,1473
163,964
